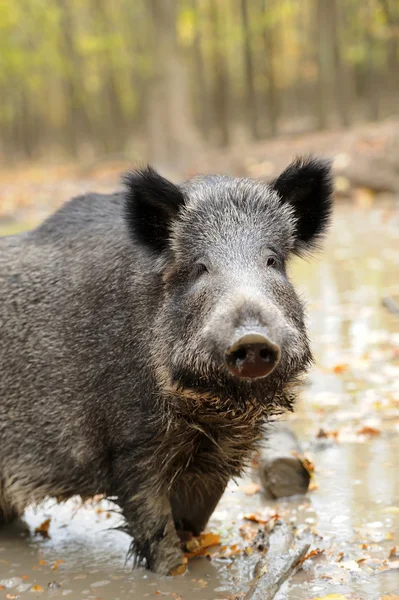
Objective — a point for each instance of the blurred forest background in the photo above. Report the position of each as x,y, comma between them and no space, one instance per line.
162,78
90,88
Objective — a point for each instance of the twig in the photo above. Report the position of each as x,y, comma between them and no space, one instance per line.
281,561
391,305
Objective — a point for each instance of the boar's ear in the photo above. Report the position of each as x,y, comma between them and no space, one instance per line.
152,202
307,186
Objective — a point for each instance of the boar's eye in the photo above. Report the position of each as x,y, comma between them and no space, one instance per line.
271,261
199,269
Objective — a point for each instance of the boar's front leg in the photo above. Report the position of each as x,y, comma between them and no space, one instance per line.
149,521
194,500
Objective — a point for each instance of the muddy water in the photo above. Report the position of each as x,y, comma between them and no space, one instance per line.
353,514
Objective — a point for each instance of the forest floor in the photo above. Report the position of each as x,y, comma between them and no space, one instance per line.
365,162
347,419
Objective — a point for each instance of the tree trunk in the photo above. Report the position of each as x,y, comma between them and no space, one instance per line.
341,79
221,90
252,116
272,96
173,135
323,62
199,74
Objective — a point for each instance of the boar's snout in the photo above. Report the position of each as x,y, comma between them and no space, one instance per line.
253,355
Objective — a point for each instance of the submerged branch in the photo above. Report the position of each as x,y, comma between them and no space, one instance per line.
280,562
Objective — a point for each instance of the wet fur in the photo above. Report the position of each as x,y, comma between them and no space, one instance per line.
109,381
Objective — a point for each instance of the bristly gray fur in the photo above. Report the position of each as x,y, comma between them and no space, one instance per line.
112,345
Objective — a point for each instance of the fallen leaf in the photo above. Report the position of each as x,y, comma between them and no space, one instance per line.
340,368
230,551
42,562
332,597
340,557
250,489
57,564
259,519
312,553
179,570
43,528
306,462
36,588
367,430
205,540
392,552
323,433
349,565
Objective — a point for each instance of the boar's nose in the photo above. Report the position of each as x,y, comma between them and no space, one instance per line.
252,356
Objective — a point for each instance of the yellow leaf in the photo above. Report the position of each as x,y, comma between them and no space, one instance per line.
43,528
332,597
36,588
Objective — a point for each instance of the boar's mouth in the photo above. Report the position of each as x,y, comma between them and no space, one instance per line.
220,391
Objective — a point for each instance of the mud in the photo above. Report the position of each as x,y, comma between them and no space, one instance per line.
348,420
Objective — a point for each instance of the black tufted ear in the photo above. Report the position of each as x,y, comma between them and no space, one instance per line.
152,202
307,186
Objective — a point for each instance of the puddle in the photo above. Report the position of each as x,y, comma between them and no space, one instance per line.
352,397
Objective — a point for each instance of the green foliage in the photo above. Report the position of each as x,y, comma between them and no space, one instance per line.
84,68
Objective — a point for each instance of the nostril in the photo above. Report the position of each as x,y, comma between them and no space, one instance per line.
267,355
240,353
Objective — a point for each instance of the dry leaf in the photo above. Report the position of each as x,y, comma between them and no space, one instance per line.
367,430
36,588
306,462
312,553
43,528
259,519
332,597
205,540
389,565
392,552
181,568
57,564
323,433
340,368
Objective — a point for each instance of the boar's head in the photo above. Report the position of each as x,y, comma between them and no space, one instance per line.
230,326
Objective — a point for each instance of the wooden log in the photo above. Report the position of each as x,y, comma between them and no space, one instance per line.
281,472
280,562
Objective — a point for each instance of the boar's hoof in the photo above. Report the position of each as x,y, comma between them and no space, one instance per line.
168,562
253,355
